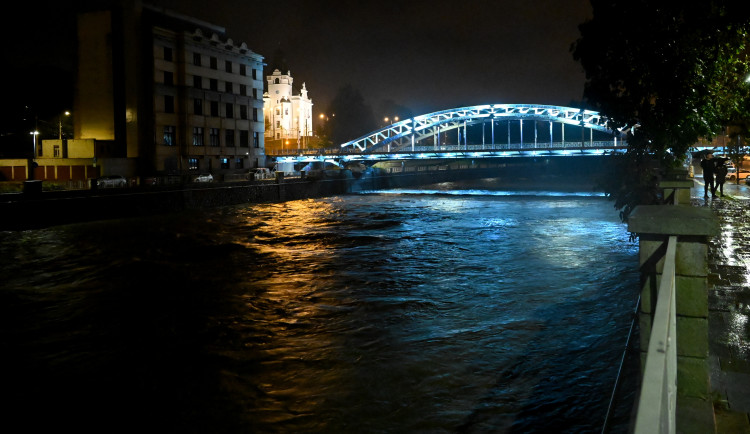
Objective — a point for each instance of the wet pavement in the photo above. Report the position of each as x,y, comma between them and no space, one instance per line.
729,306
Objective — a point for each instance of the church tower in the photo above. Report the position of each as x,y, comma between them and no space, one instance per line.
288,117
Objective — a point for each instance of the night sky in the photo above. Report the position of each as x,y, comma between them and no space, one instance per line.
424,55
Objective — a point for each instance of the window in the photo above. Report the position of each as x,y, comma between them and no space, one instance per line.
230,111
169,136
225,163
168,78
197,106
214,63
278,111
243,90
256,139
168,104
193,164
244,138
229,138
255,74
255,114
56,151
214,83
213,137
278,124
215,109
228,66
196,59
243,70
197,82
243,112
255,93
228,87
167,54
197,136
239,163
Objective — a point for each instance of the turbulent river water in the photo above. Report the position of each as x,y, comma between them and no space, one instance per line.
451,308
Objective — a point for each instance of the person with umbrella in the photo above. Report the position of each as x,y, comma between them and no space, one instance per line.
720,172
708,167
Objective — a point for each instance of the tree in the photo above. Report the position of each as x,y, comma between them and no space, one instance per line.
350,118
667,72
738,145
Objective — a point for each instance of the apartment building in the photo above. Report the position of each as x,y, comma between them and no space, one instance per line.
161,93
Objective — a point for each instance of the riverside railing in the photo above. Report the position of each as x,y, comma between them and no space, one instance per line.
657,403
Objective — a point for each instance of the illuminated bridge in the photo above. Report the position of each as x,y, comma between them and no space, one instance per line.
485,131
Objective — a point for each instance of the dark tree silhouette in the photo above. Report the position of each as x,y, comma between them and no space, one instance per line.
669,73
349,116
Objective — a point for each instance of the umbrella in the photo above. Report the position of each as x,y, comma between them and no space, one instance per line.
702,153
720,160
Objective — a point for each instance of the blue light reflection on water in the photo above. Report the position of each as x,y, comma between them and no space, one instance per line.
408,311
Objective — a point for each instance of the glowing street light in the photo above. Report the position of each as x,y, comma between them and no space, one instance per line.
34,133
66,113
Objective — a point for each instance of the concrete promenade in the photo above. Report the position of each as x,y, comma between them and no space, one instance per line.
729,307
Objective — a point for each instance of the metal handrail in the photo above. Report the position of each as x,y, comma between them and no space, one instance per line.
658,398
610,407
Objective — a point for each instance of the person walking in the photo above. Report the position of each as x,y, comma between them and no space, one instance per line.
707,164
720,173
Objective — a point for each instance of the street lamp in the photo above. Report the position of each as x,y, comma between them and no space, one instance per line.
391,121
66,113
34,133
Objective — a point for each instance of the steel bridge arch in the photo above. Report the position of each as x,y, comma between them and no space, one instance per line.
410,131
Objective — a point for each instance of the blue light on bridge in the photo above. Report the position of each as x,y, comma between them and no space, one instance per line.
417,137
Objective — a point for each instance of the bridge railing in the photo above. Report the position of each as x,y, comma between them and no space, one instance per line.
456,148
520,146
658,396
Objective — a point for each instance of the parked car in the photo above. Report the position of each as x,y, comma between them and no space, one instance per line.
732,173
111,181
259,173
204,177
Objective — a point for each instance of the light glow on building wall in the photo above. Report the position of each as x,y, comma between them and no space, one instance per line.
287,116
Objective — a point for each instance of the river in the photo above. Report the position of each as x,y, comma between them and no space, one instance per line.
450,308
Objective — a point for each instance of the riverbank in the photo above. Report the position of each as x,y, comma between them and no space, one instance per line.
29,210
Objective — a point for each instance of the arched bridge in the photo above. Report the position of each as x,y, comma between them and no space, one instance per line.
499,130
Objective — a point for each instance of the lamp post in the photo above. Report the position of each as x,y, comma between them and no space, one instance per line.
34,133
391,121
30,175
66,113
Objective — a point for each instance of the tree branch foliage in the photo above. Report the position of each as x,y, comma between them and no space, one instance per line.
667,72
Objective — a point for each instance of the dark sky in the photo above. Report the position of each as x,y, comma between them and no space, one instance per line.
424,55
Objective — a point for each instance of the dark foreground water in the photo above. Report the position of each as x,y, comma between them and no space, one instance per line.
449,309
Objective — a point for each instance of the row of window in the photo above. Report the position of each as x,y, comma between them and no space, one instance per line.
228,110
213,109
239,163
214,137
213,84
213,63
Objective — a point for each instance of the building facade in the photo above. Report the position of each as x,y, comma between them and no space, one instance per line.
166,94
288,117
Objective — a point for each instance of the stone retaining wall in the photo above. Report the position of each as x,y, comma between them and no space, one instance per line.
40,209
